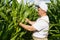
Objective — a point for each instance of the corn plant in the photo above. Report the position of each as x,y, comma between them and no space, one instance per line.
11,15
12,12
54,14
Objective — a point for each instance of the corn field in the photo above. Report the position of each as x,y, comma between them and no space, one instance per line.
11,13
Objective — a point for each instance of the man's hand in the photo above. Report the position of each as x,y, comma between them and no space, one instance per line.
27,20
30,22
20,24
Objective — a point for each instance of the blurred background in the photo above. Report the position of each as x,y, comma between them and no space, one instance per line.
14,11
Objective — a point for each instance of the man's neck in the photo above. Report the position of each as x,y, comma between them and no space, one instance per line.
44,14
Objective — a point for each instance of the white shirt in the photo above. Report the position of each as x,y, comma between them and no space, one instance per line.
42,27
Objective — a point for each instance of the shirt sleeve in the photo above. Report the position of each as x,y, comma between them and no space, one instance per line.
39,25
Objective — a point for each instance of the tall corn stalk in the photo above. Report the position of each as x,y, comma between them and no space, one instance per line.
54,14
11,15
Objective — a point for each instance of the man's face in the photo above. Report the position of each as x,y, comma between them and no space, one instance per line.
40,12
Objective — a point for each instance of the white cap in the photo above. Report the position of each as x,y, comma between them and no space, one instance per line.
43,6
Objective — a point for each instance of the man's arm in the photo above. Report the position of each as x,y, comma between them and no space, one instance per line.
27,27
30,22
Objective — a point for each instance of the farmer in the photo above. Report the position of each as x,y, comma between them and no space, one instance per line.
39,27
